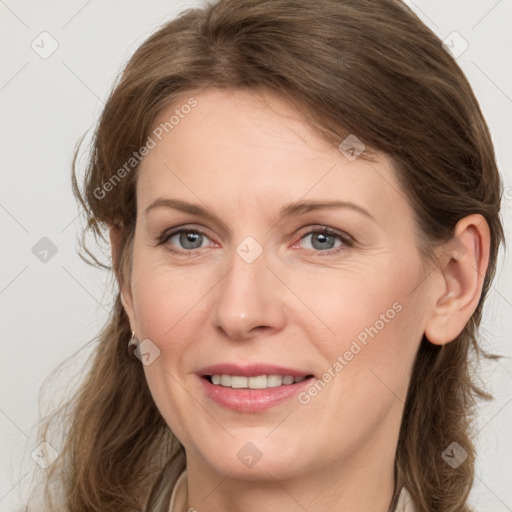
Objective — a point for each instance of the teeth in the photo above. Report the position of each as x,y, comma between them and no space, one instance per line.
273,381
238,382
259,382
287,379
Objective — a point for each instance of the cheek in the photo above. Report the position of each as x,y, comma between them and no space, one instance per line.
167,307
372,321
164,298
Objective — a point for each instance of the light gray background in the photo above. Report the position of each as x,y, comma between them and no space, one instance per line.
51,309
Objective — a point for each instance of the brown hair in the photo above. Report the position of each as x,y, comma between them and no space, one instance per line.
364,67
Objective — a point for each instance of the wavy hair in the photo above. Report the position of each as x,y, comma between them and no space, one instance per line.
365,67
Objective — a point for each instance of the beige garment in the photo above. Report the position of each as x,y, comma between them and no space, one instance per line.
179,498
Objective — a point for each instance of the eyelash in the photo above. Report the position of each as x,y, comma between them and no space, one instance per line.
347,240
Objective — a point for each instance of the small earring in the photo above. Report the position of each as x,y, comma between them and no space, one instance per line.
132,345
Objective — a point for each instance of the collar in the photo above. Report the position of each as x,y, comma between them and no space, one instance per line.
179,496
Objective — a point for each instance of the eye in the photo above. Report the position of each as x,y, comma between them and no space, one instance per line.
186,239
325,240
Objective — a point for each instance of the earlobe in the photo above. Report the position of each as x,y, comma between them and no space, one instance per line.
464,260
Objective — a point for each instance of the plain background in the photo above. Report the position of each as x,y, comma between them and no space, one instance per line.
52,304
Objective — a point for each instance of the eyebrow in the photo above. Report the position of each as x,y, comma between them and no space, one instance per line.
293,209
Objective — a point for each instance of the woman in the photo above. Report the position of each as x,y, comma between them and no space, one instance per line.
302,202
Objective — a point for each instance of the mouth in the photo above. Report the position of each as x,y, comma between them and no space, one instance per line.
258,388
254,382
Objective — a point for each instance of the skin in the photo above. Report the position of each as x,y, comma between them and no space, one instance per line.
243,156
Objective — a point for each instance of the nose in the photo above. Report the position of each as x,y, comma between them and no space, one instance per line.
249,300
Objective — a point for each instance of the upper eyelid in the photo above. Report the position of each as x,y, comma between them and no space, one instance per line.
331,231
173,231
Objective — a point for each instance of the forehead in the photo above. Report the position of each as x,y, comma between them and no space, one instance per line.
244,146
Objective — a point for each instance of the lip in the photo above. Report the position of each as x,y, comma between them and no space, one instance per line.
251,370
251,400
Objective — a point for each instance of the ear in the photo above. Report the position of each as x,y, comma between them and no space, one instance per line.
464,263
124,288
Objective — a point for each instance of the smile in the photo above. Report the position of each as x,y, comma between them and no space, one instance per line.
257,382
254,387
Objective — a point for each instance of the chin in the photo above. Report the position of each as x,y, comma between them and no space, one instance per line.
255,458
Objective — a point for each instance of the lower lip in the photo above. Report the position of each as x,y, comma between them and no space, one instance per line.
252,400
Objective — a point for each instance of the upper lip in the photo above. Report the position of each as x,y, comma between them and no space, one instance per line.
250,370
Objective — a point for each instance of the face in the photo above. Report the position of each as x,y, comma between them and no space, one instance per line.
237,263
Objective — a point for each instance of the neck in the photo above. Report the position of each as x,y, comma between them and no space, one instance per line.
365,482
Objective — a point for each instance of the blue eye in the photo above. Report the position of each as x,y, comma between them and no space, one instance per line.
186,240
324,240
